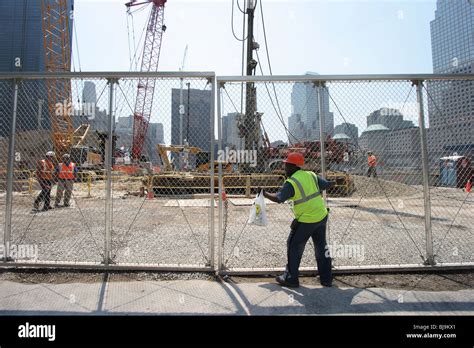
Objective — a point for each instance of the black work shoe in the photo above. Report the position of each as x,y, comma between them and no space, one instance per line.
47,208
66,205
326,284
283,282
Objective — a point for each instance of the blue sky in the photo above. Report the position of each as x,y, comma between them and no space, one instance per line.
329,37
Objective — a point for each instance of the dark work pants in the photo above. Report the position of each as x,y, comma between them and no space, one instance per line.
45,194
296,244
372,171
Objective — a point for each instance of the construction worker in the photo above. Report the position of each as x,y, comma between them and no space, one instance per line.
45,177
466,173
66,172
372,163
303,189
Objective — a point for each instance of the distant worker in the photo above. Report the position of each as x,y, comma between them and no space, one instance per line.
465,173
66,172
303,189
372,163
45,177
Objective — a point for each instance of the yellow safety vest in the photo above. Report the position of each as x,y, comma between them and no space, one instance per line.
308,203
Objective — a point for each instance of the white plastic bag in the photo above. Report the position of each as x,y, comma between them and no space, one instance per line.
258,215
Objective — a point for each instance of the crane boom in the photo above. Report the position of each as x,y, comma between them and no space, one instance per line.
57,51
146,86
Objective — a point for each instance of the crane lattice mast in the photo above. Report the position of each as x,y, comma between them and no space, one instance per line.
146,85
57,52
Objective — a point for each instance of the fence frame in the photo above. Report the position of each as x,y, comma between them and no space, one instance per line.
319,81
216,251
112,79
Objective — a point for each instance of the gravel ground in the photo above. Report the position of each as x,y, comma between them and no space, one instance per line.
175,231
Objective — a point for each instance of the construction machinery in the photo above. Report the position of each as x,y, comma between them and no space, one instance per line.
178,149
270,159
202,160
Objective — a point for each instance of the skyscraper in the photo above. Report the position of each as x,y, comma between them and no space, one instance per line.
89,94
230,132
305,102
198,131
451,103
348,129
21,42
390,118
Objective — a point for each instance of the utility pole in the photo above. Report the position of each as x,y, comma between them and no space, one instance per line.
181,106
187,123
249,127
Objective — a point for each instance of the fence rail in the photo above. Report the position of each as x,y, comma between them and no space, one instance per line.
410,211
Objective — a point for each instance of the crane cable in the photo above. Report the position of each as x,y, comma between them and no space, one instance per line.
239,6
232,24
278,112
74,36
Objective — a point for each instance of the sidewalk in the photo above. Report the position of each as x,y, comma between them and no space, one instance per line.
205,297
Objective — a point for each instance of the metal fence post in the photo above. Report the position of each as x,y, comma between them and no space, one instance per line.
212,239
322,129
11,156
220,247
108,168
322,143
426,183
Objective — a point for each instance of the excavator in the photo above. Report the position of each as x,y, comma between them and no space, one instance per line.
202,158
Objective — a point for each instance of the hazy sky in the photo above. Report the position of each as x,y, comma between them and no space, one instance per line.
328,37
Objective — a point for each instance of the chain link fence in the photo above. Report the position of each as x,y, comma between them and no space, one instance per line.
386,142
175,193
139,198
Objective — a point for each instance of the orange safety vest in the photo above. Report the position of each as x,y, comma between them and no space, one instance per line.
372,161
46,170
66,172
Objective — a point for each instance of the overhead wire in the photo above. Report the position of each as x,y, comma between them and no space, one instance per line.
278,112
238,5
243,63
232,25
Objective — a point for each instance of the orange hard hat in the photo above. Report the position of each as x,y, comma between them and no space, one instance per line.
295,158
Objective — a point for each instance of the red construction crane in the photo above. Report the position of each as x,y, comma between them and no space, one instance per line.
146,86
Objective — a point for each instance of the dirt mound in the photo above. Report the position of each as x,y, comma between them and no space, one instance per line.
376,187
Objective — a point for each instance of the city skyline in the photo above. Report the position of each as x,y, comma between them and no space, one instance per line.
403,14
